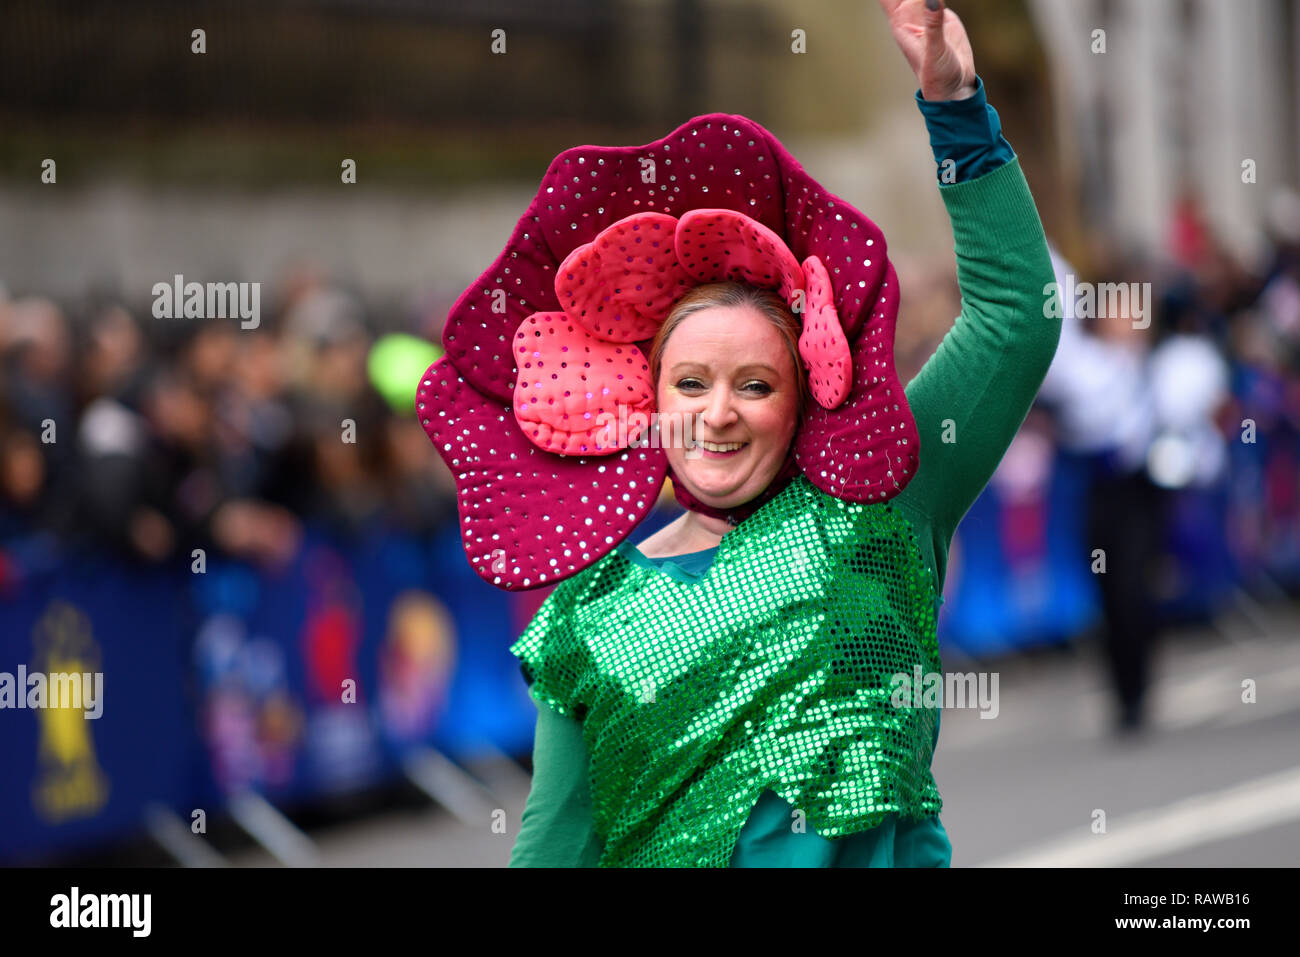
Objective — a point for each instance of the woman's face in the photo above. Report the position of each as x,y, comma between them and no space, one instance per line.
728,371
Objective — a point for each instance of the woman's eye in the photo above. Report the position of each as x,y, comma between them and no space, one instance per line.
694,385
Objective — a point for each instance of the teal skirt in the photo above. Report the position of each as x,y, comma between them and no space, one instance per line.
767,840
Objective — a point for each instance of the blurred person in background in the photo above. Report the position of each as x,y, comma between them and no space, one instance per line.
1189,380
32,510
160,489
1099,389
324,338
152,494
1264,419
418,487
112,355
255,421
23,489
1278,303
339,437
342,445
38,479
35,370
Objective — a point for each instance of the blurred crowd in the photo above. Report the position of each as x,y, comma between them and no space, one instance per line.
152,437
1202,393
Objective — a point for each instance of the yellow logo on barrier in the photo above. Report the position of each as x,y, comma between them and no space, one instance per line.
70,782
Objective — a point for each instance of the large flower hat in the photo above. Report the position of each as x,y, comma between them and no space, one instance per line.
547,349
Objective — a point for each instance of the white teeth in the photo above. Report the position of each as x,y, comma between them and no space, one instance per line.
721,447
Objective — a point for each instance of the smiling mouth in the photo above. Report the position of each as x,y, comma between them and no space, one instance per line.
719,450
721,446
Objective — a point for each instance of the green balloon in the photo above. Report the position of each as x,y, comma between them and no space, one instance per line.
395,365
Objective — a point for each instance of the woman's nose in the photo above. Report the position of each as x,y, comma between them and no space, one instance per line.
718,412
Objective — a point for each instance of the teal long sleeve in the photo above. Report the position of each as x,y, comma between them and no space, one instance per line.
557,830
971,396
968,400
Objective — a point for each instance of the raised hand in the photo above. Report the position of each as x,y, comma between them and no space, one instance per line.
936,46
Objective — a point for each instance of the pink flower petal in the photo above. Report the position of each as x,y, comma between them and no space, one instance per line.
529,518
574,389
621,285
822,343
717,244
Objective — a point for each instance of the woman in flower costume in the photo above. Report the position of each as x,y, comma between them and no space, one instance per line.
700,308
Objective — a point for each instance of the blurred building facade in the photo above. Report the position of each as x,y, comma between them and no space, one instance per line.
1163,103
227,163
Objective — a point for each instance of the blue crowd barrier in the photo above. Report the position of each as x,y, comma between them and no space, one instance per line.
70,780
1002,597
319,678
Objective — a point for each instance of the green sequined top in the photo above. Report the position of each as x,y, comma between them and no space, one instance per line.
772,671
775,834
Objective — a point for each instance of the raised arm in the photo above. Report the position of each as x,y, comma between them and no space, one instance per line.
974,392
